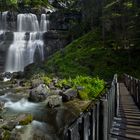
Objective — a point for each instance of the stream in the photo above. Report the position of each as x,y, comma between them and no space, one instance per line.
47,124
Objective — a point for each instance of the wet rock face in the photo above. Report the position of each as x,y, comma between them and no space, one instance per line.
53,42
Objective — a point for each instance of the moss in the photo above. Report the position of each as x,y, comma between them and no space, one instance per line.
28,119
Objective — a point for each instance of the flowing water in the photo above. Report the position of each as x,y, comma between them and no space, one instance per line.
47,123
26,42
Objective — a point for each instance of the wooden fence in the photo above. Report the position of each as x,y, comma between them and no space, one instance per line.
96,122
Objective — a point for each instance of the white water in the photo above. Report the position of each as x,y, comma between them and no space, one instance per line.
44,23
21,52
3,21
35,42
27,23
22,105
16,53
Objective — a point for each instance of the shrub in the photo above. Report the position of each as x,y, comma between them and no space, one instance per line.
47,80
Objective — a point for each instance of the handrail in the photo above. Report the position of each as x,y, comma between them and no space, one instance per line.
133,85
96,122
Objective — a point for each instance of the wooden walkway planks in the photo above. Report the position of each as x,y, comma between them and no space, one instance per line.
126,125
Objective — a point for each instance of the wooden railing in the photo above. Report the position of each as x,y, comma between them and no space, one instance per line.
96,122
133,85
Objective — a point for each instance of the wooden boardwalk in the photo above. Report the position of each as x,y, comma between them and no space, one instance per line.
126,126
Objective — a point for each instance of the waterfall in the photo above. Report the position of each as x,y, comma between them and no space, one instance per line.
16,53
35,42
27,23
4,20
27,40
44,24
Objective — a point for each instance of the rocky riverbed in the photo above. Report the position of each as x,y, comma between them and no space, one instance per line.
32,110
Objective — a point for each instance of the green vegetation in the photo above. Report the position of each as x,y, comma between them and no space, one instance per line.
6,135
28,119
86,56
91,87
8,4
46,80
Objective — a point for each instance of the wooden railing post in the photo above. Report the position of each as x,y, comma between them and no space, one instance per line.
92,124
96,123
133,86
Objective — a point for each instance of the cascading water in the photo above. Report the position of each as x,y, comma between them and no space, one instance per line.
27,23
4,20
44,24
35,42
16,53
26,42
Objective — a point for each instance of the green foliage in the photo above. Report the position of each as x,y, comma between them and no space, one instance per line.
6,135
47,80
92,87
63,82
75,58
28,119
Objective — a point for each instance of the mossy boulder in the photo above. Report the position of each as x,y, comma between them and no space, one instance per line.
25,119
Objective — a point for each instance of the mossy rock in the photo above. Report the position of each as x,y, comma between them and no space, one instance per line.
26,120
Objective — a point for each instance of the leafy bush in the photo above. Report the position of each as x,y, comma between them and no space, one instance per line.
47,80
63,82
91,87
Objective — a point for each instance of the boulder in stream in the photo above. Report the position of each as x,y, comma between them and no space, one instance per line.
54,100
39,93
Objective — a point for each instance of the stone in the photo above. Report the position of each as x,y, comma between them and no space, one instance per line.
10,125
57,91
15,136
39,93
1,133
51,86
69,94
25,119
54,100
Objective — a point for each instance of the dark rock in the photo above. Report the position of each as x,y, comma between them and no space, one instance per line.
69,95
80,88
54,100
1,133
39,93
57,91
51,86
10,125
15,136
18,75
